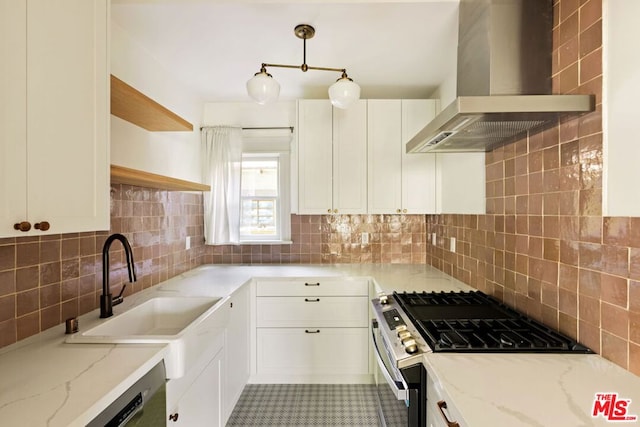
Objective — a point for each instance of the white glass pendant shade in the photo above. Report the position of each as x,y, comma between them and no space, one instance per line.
344,92
263,88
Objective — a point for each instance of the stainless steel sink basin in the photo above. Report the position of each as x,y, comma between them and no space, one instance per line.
186,324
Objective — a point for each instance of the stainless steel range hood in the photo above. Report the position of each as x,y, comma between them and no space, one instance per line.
503,79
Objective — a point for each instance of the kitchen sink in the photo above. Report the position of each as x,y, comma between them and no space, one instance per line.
188,325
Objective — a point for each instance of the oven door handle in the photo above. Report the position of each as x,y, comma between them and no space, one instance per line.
399,388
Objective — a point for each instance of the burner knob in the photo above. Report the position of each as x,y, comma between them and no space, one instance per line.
404,335
410,345
401,328
384,299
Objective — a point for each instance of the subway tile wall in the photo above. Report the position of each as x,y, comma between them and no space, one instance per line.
544,246
44,280
336,239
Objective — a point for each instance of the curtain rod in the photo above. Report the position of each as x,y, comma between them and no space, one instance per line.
259,128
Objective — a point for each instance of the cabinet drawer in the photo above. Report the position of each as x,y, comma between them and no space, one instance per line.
312,351
314,286
316,311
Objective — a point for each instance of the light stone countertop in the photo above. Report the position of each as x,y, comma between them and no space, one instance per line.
541,390
46,382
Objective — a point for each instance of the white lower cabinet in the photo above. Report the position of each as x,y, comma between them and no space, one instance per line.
197,399
237,348
313,354
312,331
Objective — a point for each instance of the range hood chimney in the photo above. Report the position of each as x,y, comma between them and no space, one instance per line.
503,79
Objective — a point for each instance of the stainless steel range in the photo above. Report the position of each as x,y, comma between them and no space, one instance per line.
408,325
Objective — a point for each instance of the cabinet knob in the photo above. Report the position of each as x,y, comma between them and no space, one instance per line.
42,226
174,417
328,210
404,211
22,226
335,211
398,210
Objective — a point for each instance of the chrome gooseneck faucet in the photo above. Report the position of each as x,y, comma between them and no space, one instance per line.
106,300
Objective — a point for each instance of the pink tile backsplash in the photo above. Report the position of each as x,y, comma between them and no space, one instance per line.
544,246
44,280
336,239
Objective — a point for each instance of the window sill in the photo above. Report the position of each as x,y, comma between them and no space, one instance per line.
266,242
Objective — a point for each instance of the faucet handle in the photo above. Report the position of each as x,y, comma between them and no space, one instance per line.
117,300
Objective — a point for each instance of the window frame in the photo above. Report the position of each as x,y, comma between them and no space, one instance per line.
283,203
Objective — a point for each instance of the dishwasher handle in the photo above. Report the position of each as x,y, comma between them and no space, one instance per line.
128,412
399,388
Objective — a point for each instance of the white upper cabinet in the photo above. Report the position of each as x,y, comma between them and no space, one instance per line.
419,169
353,161
399,182
13,119
460,181
384,150
332,158
54,141
350,159
621,110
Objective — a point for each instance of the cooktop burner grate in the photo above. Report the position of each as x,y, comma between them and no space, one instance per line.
476,322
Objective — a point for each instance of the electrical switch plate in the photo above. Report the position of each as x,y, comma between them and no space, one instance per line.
187,244
365,238
452,244
433,239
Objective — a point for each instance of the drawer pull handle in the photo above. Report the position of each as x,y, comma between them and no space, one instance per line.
312,300
312,284
317,331
174,417
442,405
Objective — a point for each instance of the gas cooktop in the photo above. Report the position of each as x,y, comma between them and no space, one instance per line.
476,322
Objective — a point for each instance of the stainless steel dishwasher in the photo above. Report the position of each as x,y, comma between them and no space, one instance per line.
143,404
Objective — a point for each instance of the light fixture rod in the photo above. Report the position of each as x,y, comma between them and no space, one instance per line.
264,89
340,70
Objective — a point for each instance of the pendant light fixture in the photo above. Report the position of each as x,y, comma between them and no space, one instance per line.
264,89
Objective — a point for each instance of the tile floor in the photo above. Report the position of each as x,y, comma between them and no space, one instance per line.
306,405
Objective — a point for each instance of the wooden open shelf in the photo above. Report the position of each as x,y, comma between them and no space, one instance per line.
122,175
135,107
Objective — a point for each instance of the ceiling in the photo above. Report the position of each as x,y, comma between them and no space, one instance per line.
392,49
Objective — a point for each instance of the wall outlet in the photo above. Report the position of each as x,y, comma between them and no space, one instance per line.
187,244
452,244
365,238
433,239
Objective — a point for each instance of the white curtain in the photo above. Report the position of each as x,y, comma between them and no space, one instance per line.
221,168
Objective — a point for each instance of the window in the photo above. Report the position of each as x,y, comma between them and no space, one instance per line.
264,207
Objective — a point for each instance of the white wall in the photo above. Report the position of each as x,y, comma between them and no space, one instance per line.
250,114
447,90
174,154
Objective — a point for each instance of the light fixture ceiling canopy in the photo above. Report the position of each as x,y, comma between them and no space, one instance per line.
264,89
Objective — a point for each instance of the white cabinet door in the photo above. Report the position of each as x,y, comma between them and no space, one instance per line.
350,159
332,158
313,354
13,115
67,114
461,183
419,169
315,161
237,348
201,404
385,168
55,153
621,110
